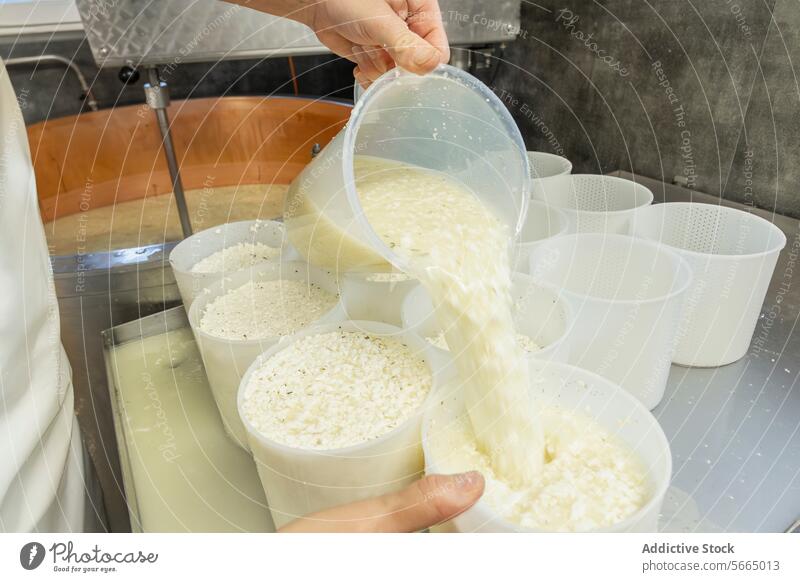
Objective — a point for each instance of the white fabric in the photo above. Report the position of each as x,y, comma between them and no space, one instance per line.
41,460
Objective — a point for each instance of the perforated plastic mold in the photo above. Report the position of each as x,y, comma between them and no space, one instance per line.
594,203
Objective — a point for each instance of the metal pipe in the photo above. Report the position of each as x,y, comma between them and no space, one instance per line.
87,91
157,95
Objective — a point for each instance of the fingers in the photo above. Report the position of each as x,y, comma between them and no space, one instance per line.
408,49
424,503
382,59
438,38
361,79
433,500
372,63
426,21
408,33
338,44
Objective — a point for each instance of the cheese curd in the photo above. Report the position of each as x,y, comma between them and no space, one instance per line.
260,309
459,251
335,390
526,343
237,257
590,479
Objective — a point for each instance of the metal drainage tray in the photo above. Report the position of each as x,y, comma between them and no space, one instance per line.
180,471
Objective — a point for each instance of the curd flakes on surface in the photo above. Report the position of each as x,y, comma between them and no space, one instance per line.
590,479
260,309
335,390
237,257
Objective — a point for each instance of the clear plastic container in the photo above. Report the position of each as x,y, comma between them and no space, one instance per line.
733,255
571,388
227,360
302,481
446,121
370,300
205,243
540,312
594,203
627,294
544,165
543,222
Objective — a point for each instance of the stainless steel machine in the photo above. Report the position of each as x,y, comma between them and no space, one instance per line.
143,33
103,290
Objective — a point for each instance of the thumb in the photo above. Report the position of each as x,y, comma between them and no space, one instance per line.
424,503
409,50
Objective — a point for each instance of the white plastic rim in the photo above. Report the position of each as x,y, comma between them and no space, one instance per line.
540,312
594,203
365,299
358,92
226,360
545,165
301,481
446,121
200,245
732,254
449,76
571,388
542,223
627,294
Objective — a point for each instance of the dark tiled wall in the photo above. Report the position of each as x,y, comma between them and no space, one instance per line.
766,168
700,90
49,91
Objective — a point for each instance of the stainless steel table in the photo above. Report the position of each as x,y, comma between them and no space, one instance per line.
735,430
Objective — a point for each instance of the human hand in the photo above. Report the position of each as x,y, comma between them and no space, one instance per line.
374,34
425,503
379,34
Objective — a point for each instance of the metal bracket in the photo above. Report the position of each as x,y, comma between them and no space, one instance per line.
156,95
